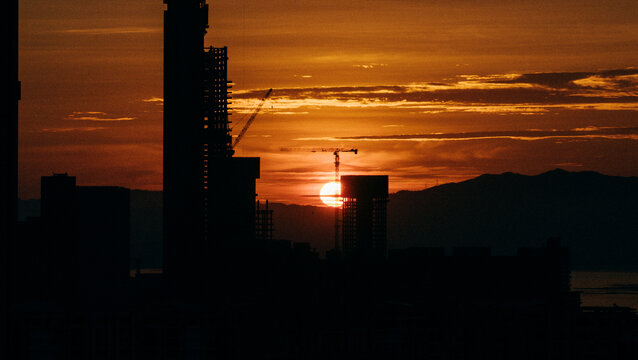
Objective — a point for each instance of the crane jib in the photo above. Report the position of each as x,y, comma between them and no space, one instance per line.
252,118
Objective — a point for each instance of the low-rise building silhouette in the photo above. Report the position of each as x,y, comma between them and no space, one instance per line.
80,246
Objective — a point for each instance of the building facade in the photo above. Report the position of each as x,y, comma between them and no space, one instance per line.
364,214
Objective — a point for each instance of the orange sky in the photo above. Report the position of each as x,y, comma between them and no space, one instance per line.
429,92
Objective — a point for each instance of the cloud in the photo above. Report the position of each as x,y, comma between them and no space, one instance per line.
278,112
527,94
96,116
155,99
112,31
69,129
369,66
550,80
620,80
527,135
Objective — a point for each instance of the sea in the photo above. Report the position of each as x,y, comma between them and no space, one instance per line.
606,288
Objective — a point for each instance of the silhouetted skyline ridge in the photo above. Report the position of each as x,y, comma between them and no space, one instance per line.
593,213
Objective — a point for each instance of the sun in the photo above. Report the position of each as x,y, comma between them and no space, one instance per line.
330,194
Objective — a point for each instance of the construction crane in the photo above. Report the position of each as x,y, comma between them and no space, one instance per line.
251,118
335,152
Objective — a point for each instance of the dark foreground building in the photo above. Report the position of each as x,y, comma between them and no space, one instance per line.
104,228
209,195
71,271
284,303
77,252
226,296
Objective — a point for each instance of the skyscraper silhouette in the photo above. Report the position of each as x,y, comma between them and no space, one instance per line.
209,196
8,161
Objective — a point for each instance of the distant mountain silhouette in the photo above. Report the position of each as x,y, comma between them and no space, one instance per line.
595,215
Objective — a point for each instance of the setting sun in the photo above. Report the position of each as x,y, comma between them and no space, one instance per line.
330,194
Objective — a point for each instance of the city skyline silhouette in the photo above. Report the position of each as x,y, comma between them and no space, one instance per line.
232,259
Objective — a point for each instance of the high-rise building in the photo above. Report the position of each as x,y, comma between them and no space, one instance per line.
8,161
365,201
209,195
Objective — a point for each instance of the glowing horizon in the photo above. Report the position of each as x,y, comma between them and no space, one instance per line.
428,93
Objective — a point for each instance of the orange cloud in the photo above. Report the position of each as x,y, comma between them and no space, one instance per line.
526,94
96,116
55,130
112,31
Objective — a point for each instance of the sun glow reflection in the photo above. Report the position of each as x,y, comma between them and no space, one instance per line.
330,194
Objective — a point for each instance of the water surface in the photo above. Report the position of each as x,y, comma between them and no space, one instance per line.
606,288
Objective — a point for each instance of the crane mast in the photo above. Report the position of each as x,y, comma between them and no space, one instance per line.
338,181
335,152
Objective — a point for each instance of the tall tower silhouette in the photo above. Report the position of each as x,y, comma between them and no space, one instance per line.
209,195
8,162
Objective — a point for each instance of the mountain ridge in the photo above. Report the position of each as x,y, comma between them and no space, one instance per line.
593,214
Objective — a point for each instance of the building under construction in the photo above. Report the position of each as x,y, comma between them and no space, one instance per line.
264,223
365,201
209,195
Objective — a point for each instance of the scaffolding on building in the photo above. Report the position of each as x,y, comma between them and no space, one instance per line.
364,214
264,223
